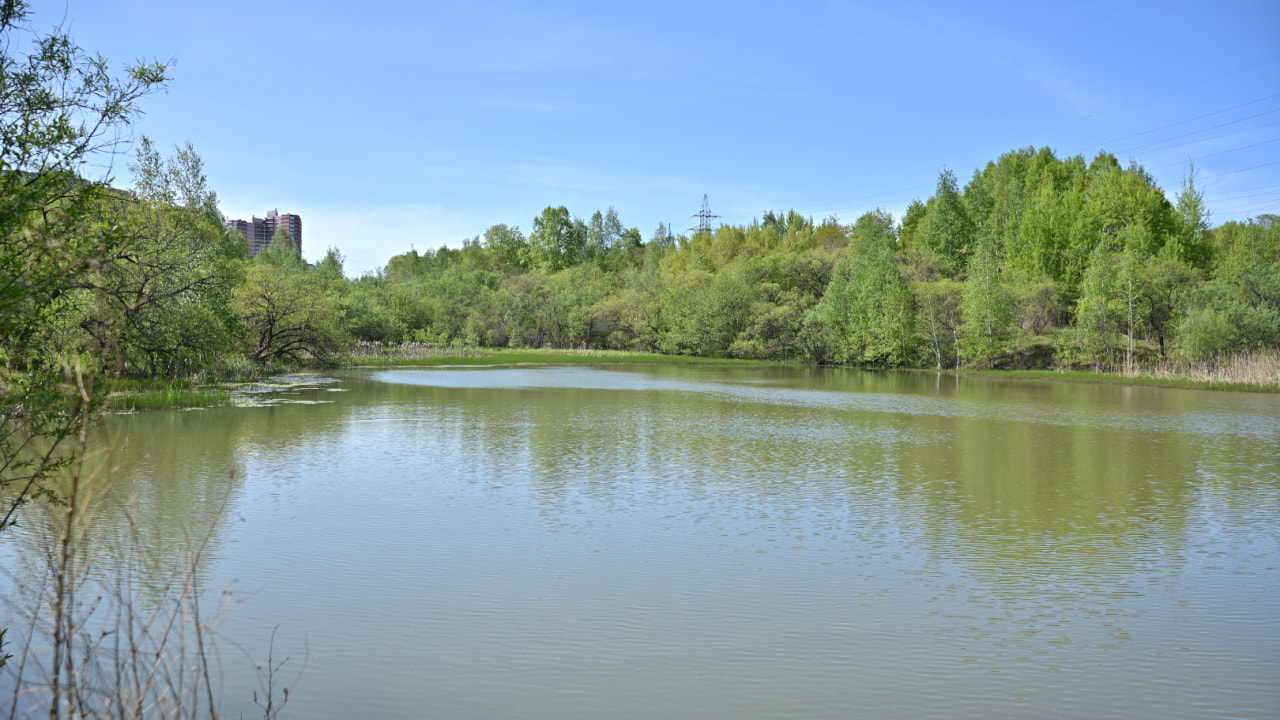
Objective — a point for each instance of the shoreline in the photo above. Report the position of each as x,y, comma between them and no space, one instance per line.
177,395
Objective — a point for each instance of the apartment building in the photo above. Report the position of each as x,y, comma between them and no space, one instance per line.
259,231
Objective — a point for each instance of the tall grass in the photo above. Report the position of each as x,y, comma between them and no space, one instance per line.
1250,371
1258,368
131,394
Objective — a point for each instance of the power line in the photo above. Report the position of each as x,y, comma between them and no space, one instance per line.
1271,202
1245,195
1184,122
1251,210
1213,175
1215,127
1224,152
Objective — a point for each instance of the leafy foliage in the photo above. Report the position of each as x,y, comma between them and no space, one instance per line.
159,305
287,316
1037,257
867,311
987,308
60,111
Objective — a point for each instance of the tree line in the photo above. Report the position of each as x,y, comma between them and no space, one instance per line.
1037,261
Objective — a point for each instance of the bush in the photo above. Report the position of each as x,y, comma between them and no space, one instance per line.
1220,321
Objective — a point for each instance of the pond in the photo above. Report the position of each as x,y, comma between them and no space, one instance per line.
644,541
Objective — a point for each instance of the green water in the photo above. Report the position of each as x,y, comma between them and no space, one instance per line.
705,542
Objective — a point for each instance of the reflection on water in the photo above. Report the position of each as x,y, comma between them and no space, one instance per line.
649,541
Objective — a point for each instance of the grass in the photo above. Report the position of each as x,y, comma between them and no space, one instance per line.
133,394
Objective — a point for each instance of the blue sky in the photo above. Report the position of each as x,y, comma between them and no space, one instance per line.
388,125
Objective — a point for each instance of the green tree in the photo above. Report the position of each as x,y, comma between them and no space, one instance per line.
913,225
557,242
1131,301
282,253
662,239
507,246
1118,198
868,311
773,326
573,294
703,313
1165,284
1099,316
986,308
330,271
937,318
1041,245
287,316
368,313
60,109
1189,243
1037,301
947,229
998,195
1220,319
603,236
1239,248
631,318
159,303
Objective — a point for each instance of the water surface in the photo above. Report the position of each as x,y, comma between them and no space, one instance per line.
693,541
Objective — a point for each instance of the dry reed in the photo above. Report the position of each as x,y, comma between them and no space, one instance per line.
1260,368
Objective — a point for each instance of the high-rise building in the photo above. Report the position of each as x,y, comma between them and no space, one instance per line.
260,231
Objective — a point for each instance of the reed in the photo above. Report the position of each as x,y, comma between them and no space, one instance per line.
1257,371
1259,368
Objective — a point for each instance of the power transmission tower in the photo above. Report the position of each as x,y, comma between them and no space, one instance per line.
704,217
